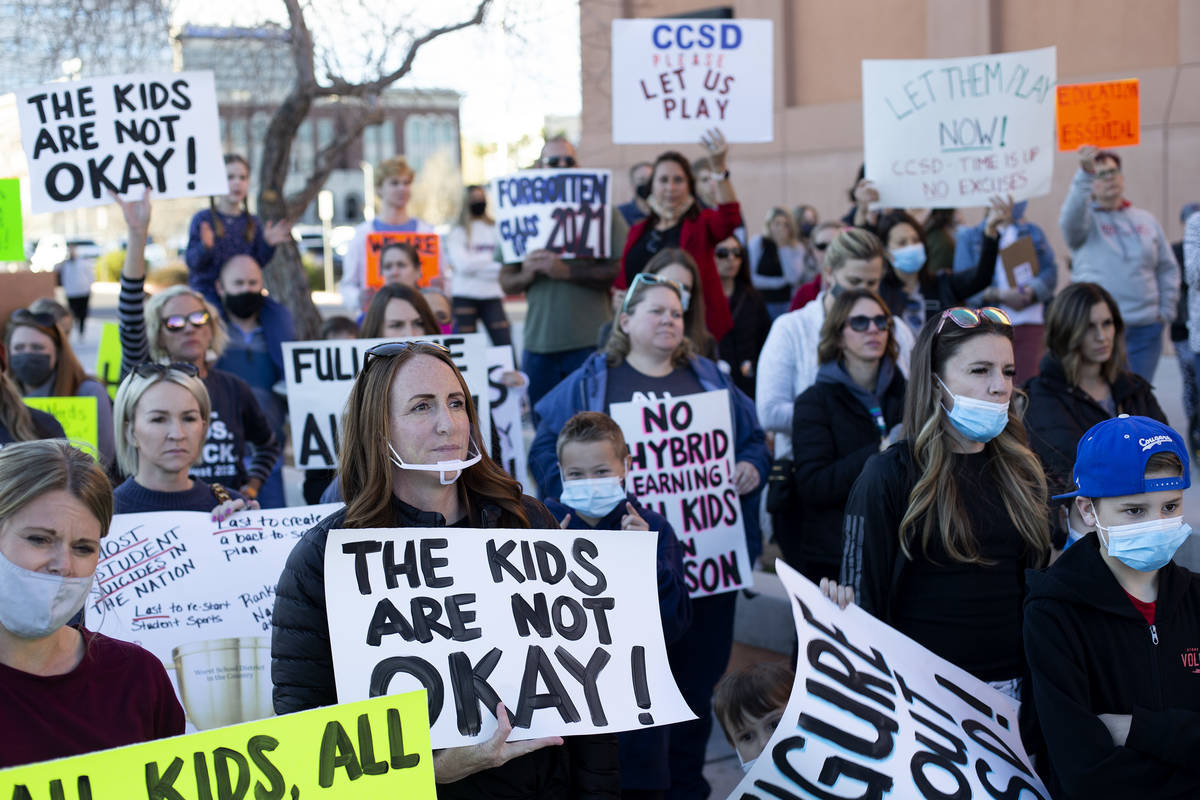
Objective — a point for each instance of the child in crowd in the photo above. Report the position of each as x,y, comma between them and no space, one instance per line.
1112,628
594,460
749,703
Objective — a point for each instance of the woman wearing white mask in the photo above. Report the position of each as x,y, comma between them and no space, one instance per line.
939,528
64,690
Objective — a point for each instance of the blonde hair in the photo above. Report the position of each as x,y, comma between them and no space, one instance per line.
394,167
618,345
852,244
154,326
129,394
29,470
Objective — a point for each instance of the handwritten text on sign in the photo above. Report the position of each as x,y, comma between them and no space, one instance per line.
956,131
320,374
427,246
1104,114
673,79
874,714
78,416
377,748
506,413
563,211
683,464
84,139
564,629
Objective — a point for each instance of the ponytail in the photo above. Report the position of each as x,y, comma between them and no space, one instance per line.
218,225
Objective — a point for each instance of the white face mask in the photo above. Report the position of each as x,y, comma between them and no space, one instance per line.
34,605
746,765
593,497
452,467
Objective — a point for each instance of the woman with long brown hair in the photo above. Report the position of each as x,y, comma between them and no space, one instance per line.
397,311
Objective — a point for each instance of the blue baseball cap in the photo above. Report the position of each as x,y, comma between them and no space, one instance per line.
1111,458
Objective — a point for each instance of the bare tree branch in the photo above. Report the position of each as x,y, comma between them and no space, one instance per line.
326,161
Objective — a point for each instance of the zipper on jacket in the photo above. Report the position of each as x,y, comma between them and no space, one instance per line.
1154,635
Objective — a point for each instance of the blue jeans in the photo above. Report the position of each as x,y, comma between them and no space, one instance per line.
546,370
1144,345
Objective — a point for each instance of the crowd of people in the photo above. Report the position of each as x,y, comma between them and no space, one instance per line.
972,453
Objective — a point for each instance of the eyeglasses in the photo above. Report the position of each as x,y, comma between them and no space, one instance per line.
861,322
555,162
1106,174
390,349
649,279
36,317
971,318
728,252
176,322
149,369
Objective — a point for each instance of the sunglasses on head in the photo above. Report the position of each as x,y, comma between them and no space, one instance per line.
177,322
861,322
649,279
391,349
556,162
36,317
971,318
727,252
150,369
822,246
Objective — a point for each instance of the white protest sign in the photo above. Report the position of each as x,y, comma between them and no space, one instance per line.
683,460
563,628
565,211
506,414
199,595
872,713
84,139
955,131
320,374
673,79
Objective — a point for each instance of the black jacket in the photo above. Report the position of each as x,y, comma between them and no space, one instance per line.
1091,652
1059,414
302,671
745,340
943,290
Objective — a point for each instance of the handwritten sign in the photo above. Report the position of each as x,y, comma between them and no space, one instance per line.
1104,114
564,629
564,211
84,139
683,463
77,415
320,374
375,748
199,595
12,232
957,131
428,247
673,79
108,358
506,414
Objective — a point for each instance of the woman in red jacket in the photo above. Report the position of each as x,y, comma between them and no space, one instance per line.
677,220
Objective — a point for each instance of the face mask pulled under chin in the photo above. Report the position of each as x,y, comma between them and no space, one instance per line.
746,765
34,605
452,467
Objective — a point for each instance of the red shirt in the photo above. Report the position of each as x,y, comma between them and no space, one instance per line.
1145,609
805,294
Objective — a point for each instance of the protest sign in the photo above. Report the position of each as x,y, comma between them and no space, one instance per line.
565,211
683,461
12,232
124,134
320,374
506,413
874,713
108,358
376,748
562,627
428,246
673,79
77,415
956,131
1020,263
1104,114
198,595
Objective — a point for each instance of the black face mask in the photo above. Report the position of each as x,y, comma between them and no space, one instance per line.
477,208
643,190
245,305
31,369
806,229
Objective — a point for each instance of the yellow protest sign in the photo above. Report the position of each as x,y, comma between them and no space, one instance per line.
77,415
12,237
374,748
108,359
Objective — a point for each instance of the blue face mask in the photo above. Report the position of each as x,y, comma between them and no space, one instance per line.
593,497
977,420
1145,546
909,259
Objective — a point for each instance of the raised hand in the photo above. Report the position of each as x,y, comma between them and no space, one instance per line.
136,212
633,521
277,232
1087,158
999,215
717,148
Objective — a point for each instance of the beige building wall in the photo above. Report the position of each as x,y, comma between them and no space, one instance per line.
818,105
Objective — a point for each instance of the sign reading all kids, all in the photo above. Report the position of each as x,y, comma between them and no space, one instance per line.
85,139
958,131
673,79
683,462
565,211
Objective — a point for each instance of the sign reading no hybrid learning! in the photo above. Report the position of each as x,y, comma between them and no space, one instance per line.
674,79
957,131
564,211
874,714
683,462
85,139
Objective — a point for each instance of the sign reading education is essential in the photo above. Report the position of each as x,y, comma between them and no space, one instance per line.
506,413
874,714
199,595
375,748
565,211
77,415
683,462
1104,114
957,131
320,374
428,247
673,79
12,232
563,628
84,139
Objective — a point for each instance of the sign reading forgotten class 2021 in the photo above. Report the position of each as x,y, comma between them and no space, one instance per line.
565,211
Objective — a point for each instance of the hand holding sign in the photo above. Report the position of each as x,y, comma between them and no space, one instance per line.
717,148
999,215
456,763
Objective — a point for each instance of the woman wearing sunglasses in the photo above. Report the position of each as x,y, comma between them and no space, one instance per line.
42,364
741,346
178,325
411,458
853,409
162,416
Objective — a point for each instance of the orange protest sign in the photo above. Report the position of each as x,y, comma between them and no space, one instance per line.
426,244
1103,114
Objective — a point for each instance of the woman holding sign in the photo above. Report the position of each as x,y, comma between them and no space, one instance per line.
65,691
411,458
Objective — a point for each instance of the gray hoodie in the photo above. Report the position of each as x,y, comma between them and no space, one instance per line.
1123,250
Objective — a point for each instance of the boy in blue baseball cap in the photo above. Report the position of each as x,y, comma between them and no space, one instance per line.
1112,628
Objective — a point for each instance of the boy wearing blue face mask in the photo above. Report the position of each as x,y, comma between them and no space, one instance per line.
594,459
1112,629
